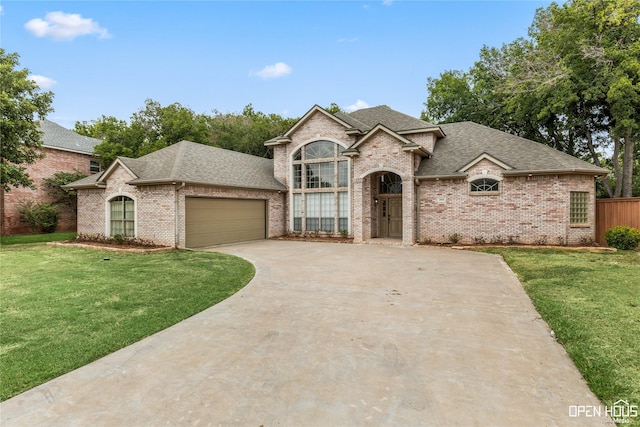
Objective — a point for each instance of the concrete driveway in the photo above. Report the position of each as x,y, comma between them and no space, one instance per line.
335,335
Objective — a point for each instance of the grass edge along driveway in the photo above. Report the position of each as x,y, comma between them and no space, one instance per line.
64,307
592,303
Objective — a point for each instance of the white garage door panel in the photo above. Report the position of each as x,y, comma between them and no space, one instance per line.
217,221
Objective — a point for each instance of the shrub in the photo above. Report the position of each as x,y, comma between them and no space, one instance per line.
622,237
40,217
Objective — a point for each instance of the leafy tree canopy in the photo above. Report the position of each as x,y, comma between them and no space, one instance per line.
22,104
155,127
573,84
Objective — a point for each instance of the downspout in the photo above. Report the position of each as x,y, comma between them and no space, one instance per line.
177,215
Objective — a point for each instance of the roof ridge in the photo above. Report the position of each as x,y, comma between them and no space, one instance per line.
179,158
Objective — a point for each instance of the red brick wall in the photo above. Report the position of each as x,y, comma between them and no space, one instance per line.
55,161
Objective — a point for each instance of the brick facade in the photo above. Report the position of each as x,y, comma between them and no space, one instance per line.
54,161
155,207
532,208
528,209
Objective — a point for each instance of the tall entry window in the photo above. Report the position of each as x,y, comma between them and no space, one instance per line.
122,216
320,180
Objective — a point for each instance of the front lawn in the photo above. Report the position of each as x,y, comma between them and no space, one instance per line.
592,303
36,238
64,307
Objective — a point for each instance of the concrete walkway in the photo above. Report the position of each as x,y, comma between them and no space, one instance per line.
335,335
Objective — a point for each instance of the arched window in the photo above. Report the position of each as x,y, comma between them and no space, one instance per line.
485,185
390,183
122,213
320,179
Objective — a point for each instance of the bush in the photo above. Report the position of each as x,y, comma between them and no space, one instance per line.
622,237
40,217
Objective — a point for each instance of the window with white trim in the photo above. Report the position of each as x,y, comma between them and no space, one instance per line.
122,213
320,180
484,185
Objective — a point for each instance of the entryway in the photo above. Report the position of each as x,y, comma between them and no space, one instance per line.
390,216
389,205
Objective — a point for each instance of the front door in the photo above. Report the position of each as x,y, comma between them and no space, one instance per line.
390,216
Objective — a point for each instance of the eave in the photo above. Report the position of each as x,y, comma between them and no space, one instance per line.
436,129
280,140
574,171
415,148
441,177
165,181
98,184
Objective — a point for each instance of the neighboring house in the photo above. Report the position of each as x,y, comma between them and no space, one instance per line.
373,173
65,151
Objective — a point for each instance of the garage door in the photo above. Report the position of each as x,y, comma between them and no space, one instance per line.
217,221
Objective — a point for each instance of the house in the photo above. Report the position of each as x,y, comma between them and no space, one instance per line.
372,173
64,151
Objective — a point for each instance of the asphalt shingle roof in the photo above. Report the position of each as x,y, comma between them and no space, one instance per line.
368,118
466,141
56,136
198,164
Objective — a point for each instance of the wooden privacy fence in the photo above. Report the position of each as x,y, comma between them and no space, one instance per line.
614,212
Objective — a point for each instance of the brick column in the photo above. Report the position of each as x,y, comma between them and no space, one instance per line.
408,211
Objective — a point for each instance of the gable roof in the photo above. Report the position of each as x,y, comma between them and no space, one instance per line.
407,145
60,138
315,109
367,118
467,141
194,163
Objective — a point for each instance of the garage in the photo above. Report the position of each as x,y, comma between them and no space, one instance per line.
217,221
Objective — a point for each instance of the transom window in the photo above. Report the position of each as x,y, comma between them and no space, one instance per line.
320,179
390,183
485,185
122,211
579,207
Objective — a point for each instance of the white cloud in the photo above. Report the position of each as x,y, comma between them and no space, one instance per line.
347,40
360,104
387,2
65,26
276,70
42,81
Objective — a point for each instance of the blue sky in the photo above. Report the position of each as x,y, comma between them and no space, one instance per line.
107,57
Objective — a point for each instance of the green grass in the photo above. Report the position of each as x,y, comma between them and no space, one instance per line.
36,238
63,307
592,303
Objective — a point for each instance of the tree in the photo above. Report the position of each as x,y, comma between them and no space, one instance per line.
118,138
21,105
63,196
574,85
151,128
248,131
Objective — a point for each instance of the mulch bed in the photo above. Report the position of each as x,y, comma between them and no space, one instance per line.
125,247
316,239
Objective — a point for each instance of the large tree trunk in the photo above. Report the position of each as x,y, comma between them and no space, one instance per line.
627,165
615,160
596,161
